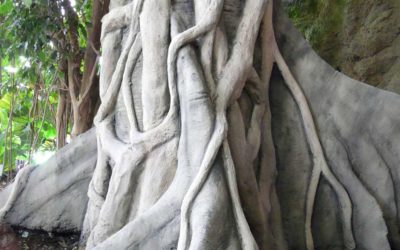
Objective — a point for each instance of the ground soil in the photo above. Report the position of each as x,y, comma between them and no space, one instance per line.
27,239
15,238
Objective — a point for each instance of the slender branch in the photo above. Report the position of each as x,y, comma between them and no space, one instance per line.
41,124
91,82
72,86
9,126
32,115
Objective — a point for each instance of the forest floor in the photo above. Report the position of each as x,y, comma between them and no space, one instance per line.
35,240
15,238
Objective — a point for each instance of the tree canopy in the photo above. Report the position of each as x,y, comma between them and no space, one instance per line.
35,43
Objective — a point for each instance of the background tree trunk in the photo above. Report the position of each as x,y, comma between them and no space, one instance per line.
83,87
89,86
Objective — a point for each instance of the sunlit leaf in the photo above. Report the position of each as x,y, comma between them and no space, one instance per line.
6,7
5,101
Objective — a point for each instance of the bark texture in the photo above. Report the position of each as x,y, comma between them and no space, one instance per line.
246,139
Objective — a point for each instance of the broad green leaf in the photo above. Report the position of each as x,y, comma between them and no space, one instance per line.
16,140
5,101
6,7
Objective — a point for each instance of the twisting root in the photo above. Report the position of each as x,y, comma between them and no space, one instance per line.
209,156
117,18
220,55
168,126
206,61
246,237
106,230
151,221
111,146
126,81
128,157
239,65
319,161
233,75
207,22
206,49
310,200
114,211
98,186
228,88
126,61
110,97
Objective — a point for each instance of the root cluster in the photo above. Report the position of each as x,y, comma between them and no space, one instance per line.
227,72
224,83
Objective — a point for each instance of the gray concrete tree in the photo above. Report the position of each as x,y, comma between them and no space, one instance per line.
220,128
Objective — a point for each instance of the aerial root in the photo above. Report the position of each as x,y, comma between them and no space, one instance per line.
126,81
115,209
151,221
117,18
127,158
201,176
228,88
237,68
319,161
133,40
245,235
110,147
207,23
310,200
143,143
206,48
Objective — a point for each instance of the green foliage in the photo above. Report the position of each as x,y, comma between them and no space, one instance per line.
319,21
32,120
33,35
314,18
5,7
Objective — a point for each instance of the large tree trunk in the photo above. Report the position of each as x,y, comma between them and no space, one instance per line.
196,150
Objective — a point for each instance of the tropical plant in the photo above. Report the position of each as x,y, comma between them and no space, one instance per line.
38,40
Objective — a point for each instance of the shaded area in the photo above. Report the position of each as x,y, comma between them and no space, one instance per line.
35,240
358,128
359,38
